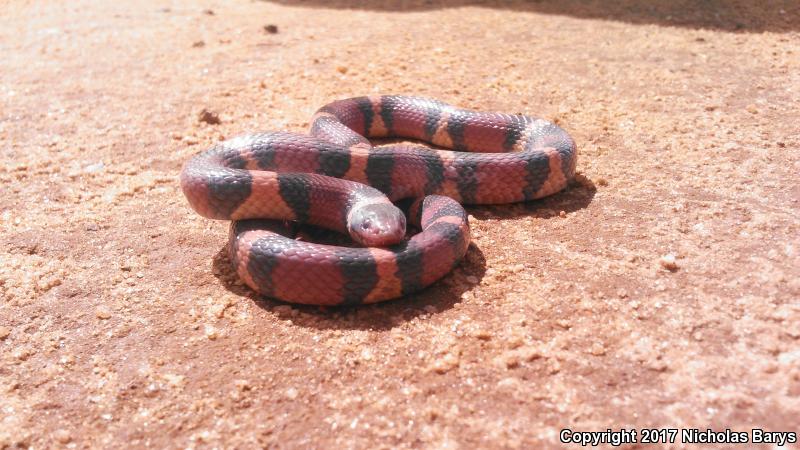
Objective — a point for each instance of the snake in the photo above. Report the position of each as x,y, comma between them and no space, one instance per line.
400,203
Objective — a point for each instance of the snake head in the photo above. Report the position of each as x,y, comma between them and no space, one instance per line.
377,224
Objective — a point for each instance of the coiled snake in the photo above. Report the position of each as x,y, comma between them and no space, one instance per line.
334,178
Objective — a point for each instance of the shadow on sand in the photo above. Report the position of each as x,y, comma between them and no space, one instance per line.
727,15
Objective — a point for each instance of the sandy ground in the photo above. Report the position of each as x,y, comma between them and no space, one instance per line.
121,324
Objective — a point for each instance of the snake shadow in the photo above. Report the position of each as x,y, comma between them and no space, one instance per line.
578,196
441,296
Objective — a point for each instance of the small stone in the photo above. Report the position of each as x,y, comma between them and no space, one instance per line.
96,167
217,310
174,380
103,312
198,44
22,353
509,360
4,332
562,214
657,365
209,12
508,383
472,279
602,182
45,284
482,334
668,262
598,349
62,436
209,117
445,363
752,109
211,332
190,140
271,29
291,393
341,69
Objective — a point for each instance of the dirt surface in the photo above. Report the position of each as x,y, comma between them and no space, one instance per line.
661,290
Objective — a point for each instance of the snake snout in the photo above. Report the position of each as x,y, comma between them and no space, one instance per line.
377,225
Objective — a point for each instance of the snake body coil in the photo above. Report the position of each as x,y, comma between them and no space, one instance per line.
336,179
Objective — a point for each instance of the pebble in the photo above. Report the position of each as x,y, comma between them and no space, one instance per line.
668,262
598,349
62,436
198,44
190,140
217,310
211,332
209,117
45,284
271,29
291,393
472,279
103,312
482,334
508,383
92,168
243,385
4,332
174,380
341,69
22,353
367,355
444,364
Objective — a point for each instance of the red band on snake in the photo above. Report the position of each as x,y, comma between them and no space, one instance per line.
334,178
